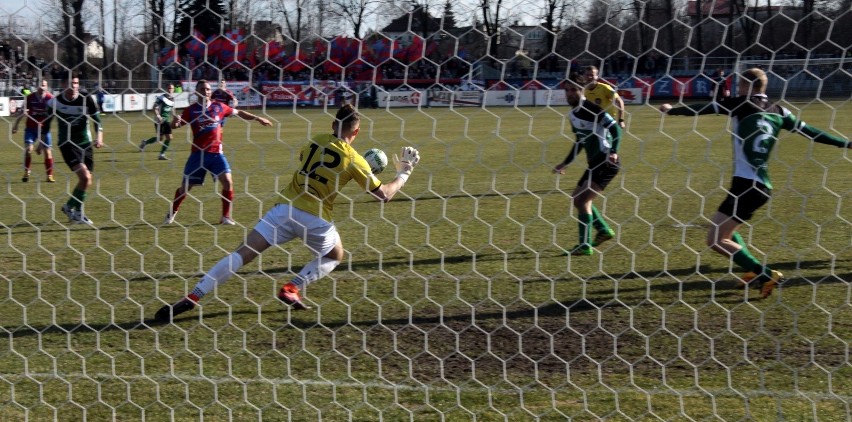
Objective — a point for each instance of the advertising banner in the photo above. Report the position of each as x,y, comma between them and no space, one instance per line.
550,97
401,99
242,90
287,94
112,103
4,107
182,100
131,102
631,95
701,86
441,98
150,99
515,98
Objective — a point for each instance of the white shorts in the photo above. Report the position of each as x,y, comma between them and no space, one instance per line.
284,223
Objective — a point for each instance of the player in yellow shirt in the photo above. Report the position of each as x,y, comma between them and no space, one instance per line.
603,94
326,164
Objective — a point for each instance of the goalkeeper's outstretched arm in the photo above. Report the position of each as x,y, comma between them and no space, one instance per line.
404,166
818,135
691,110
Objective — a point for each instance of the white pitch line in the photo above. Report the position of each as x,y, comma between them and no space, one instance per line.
405,387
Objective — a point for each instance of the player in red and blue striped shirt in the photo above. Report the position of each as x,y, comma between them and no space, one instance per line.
38,116
205,118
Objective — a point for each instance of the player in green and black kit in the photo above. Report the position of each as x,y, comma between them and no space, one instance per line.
163,108
756,124
599,134
72,111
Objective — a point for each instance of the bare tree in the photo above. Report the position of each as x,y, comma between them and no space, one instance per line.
555,15
73,34
115,9
157,16
102,32
492,22
293,17
353,12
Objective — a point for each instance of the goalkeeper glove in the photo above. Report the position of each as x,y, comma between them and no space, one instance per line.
404,166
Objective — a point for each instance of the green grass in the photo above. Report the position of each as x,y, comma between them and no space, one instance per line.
454,302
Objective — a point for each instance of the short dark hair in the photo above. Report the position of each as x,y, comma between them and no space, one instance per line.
346,118
575,78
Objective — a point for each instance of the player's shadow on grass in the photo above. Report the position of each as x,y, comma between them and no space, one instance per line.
405,262
57,226
310,321
555,309
75,328
465,195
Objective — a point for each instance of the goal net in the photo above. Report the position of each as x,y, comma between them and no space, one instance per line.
819,77
460,298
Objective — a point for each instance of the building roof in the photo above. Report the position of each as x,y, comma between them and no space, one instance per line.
416,19
725,8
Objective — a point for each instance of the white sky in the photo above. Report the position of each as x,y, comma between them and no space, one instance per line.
11,6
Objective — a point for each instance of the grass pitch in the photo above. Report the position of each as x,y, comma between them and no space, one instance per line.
455,301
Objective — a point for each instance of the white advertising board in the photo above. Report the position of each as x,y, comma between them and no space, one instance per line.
401,99
242,90
182,100
4,107
441,98
112,103
513,98
150,99
15,105
133,102
550,98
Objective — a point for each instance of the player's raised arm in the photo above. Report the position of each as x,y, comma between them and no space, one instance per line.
818,135
690,110
405,163
249,116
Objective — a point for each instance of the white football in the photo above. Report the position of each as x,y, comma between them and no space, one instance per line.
377,159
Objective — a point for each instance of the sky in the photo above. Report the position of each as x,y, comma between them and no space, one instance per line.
9,6
23,11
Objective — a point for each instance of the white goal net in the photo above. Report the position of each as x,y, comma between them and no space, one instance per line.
459,299
806,79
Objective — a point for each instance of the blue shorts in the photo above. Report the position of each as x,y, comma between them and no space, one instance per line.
31,134
200,163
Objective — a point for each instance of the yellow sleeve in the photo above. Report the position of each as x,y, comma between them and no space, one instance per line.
361,173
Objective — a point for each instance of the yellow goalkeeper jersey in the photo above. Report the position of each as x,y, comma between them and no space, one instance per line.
326,165
604,96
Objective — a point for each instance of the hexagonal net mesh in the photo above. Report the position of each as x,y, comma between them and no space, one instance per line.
499,283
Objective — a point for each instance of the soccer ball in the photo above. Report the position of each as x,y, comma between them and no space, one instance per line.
377,160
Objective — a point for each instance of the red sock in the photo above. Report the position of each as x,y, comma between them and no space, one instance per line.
48,165
227,200
179,197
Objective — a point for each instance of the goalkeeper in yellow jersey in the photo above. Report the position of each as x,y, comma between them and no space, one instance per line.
326,164
756,125
603,94
599,134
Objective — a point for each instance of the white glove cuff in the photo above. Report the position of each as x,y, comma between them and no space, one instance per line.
403,175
